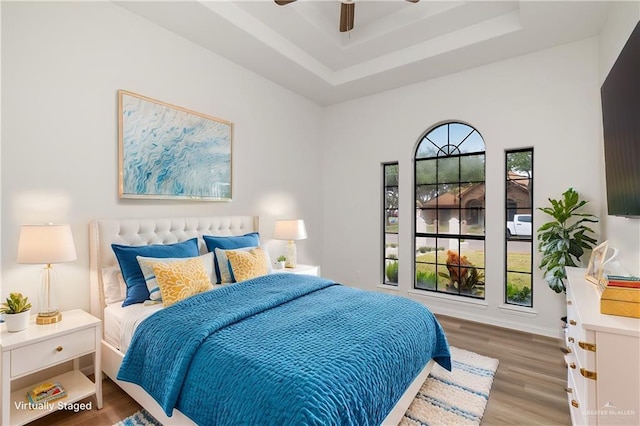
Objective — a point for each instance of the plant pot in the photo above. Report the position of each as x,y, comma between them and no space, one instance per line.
279,265
17,322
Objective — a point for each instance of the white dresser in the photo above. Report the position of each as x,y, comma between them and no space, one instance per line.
603,359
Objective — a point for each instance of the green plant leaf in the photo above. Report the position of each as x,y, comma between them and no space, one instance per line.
15,304
563,240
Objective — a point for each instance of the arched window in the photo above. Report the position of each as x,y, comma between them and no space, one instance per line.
449,216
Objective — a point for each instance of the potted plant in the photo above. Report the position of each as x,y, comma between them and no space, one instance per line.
563,241
280,261
16,310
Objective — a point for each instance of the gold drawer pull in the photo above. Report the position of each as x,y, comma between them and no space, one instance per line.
589,374
571,339
568,390
59,349
568,349
572,365
572,322
574,403
569,302
587,346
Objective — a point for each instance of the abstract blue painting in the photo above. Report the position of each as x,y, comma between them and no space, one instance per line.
169,152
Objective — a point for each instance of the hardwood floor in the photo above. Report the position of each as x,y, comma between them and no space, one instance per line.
117,405
528,388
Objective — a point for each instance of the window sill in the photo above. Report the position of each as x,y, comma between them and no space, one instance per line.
518,310
388,287
450,298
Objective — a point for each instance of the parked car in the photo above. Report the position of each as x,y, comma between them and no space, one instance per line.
520,226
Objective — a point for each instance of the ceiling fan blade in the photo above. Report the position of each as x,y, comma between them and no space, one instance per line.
347,12
283,2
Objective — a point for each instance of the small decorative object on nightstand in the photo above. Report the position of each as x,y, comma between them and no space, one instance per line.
42,346
280,262
290,230
46,244
16,311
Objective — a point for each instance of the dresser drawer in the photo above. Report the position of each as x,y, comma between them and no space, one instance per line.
580,341
52,351
576,406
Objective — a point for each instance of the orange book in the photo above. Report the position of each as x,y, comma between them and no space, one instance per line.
626,284
622,281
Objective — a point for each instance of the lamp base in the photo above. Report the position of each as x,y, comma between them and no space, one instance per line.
43,319
291,255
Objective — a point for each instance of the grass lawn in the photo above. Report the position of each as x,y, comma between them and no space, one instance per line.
520,262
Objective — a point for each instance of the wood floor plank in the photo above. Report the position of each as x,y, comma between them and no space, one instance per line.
528,388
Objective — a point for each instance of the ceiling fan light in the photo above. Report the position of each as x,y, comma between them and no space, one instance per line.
347,12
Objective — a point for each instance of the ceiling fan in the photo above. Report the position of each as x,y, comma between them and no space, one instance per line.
347,12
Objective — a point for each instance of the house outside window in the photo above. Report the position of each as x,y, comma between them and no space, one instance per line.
449,215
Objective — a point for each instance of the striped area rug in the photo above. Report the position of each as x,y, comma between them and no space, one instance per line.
447,398
139,418
456,398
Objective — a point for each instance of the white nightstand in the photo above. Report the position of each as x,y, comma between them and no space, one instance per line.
42,346
301,269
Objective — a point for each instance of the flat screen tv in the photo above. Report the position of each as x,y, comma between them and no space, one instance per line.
620,94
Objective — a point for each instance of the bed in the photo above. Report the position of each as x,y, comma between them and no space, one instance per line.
222,379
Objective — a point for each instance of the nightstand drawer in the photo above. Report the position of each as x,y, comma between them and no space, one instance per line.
53,351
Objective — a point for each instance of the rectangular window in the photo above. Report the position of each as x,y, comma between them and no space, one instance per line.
449,228
390,223
519,227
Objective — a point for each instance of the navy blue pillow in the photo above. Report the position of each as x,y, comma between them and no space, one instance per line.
137,291
251,239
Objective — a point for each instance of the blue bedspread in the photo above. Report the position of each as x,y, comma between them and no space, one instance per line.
284,349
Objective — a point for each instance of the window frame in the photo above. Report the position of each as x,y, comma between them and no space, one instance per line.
510,211
386,260
440,154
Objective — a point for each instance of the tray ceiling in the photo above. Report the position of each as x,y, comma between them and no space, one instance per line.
394,42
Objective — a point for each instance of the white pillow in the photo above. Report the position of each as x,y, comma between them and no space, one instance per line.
150,277
113,284
223,263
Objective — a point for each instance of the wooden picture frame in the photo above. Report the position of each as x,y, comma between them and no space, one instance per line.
169,152
595,269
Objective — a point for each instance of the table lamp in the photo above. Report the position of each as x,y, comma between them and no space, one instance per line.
290,230
46,244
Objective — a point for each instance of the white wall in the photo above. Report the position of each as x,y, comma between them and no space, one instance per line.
623,233
62,64
1,209
547,100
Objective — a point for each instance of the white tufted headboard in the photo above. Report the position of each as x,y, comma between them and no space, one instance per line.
138,232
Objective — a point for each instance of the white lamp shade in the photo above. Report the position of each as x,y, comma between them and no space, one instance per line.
290,230
46,244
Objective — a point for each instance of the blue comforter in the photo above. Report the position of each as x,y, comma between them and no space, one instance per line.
284,349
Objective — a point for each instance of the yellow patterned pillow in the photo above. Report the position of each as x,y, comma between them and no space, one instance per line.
179,280
248,264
